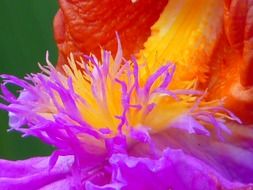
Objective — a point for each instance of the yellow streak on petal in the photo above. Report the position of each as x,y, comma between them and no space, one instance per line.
165,112
186,34
96,113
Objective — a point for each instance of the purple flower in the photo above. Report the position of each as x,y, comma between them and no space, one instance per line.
117,125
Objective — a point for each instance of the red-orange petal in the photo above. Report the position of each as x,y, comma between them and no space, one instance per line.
84,26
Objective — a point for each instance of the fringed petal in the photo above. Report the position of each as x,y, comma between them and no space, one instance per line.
174,170
34,174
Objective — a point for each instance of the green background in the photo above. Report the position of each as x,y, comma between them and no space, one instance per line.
26,33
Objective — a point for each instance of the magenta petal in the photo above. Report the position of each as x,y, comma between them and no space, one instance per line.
91,186
34,174
63,184
174,170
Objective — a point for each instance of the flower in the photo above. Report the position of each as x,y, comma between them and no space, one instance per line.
130,123
213,37
109,127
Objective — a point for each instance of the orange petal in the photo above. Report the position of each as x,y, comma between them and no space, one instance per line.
232,68
84,26
239,30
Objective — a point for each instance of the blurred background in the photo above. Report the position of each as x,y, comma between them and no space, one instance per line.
26,33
